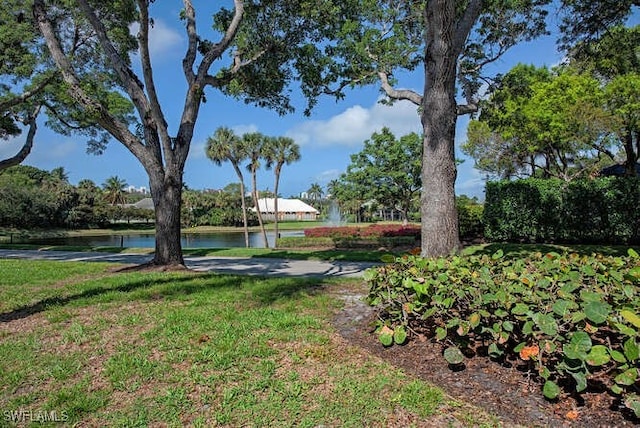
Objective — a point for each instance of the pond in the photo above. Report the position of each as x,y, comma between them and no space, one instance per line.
189,240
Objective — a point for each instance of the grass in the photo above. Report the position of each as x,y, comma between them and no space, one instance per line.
139,348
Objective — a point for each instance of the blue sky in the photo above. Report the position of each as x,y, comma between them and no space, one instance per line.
334,131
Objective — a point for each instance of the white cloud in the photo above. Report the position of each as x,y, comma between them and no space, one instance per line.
471,182
10,147
162,38
244,129
42,152
328,175
357,123
196,150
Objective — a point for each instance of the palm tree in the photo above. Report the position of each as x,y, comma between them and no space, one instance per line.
114,190
60,174
225,145
255,142
315,191
278,152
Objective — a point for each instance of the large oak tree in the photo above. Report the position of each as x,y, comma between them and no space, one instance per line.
255,51
450,41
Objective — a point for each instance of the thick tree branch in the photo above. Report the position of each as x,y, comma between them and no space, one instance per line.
147,71
28,144
192,47
469,108
130,82
219,48
110,123
465,25
18,99
398,94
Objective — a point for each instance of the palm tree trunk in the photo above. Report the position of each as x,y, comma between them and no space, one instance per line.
245,221
257,205
275,207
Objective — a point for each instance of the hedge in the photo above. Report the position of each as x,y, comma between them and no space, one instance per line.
602,210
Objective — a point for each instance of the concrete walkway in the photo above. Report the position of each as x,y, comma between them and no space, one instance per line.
233,265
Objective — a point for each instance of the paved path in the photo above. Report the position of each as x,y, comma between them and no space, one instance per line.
235,265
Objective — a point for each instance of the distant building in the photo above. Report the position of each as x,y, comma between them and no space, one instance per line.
288,209
134,189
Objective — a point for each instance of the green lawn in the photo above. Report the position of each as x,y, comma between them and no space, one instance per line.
137,349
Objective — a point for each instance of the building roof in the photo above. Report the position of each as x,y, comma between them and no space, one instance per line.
285,205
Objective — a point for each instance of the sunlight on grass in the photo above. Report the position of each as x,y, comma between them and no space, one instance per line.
136,349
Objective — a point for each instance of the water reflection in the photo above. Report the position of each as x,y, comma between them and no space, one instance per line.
189,240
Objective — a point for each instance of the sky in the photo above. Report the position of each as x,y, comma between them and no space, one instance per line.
327,138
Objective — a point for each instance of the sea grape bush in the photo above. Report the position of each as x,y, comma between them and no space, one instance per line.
570,320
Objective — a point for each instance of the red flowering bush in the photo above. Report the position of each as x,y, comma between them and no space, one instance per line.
372,231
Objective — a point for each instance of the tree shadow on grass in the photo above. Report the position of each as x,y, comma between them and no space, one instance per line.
180,285
274,290
186,283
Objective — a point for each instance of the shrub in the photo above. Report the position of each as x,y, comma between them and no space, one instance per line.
571,321
603,210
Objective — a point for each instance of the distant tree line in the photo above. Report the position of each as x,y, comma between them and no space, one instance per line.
34,198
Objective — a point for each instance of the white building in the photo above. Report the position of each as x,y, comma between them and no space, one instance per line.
288,209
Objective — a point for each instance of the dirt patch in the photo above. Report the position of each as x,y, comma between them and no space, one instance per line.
502,391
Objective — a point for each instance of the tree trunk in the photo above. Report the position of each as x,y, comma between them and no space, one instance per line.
275,207
166,192
439,114
631,155
245,221
255,201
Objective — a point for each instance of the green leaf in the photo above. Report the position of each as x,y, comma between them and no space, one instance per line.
577,317
597,312
631,350
474,319
563,307
590,296
527,328
494,351
631,317
387,258
635,272
632,253
598,356
627,377
581,381
453,355
370,274
550,390
520,309
399,335
441,333
616,389
624,329
617,356
578,346
633,402
385,335
507,326
497,255
546,323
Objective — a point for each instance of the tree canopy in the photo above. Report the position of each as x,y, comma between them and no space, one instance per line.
387,170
